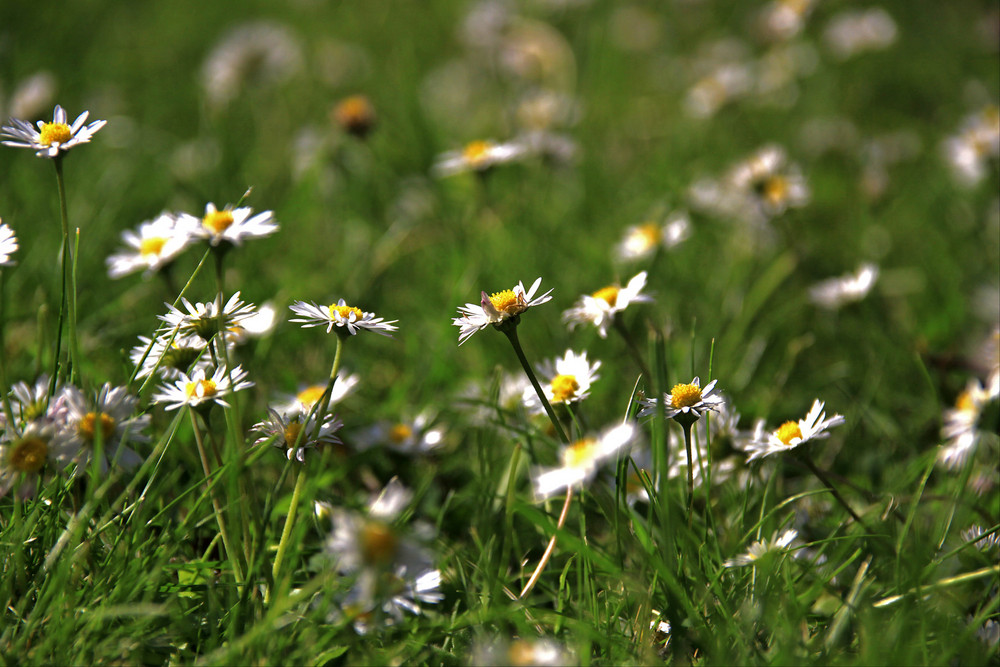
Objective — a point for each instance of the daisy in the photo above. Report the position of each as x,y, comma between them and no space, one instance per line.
769,182
342,316
168,355
51,139
197,390
8,245
290,433
24,457
581,459
205,319
355,114
968,151
685,401
568,380
854,31
791,434
110,417
229,225
497,308
836,292
540,652
308,396
154,246
758,550
601,307
31,402
258,325
961,426
478,156
413,436
641,241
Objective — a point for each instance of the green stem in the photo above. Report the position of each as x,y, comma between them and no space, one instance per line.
64,218
686,425
8,411
511,333
821,476
300,479
324,401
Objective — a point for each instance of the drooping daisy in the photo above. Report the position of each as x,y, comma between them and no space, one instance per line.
155,245
601,307
758,550
349,319
229,225
478,156
308,396
206,319
580,460
198,390
836,292
686,401
961,426
497,308
641,241
567,380
295,434
108,416
8,245
791,434
409,436
51,139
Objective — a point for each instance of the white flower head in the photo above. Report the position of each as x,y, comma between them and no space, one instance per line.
409,436
836,292
961,426
8,245
349,319
976,141
581,459
601,307
168,355
478,156
109,416
199,390
542,652
229,225
641,241
567,380
24,458
497,308
769,182
156,244
295,434
307,396
207,319
758,550
791,434
51,139
685,400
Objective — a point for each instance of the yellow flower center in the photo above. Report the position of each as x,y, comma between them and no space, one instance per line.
508,303
292,433
608,294
218,221
344,312
788,431
476,152
152,246
564,387
28,455
964,402
310,395
355,114
649,233
775,189
201,389
521,652
580,453
378,543
91,422
684,395
54,133
400,433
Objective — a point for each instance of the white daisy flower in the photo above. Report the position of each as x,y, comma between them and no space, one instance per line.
836,292
497,308
258,325
109,416
758,550
23,458
412,436
156,244
8,245
641,241
392,592
770,182
229,225
854,31
198,390
540,652
969,150
685,400
205,319
31,402
581,459
567,380
961,426
307,396
477,156
50,139
290,433
983,540
169,355
342,316
791,434
601,307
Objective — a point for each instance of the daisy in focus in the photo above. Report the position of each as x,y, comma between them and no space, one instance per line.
348,319
477,156
836,292
198,390
791,434
686,401
51,139
295,434
759,550
8,245
566,380
497,308
207,319
601,307
581,459
156,244
229,225
641,241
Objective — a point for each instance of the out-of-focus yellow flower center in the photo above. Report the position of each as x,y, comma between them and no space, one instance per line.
775,189
400,433
608,294
152,246
521,652
201,389
218,221
580,453
964,402
476,152
87,428
354,113
28,455
649,233
344,312
54,133
310,395
684,395
292,433
507,302
564,387
797,6
788,431
378,543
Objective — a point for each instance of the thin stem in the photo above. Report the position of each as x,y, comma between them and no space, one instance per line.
8,411
821,476
551,547
511,333
690,467
64,218
324,403
633,349
300,479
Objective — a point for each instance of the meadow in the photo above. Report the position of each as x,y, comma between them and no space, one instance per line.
257,408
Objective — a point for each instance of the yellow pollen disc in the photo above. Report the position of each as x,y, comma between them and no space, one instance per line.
684,395
580,453
87,428
788,431
378,543
353,111
607,294
29,455
964,402
564,387
776,189
292,433
218,221
310,395
201,389
507,302
400,433
345,312
152,246
476,152
650,233
54,133
521,652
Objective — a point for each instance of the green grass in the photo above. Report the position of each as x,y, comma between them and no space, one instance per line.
129,567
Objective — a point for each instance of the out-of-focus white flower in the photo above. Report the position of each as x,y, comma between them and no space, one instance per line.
601,307
477,156
836,292
308,395
155,245
413,436
260,52
641,241
854,31
977,141
961,426
540,652
8,245
580,460
109,417
758,550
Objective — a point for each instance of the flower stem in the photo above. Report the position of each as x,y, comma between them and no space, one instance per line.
300,479
550,548
634,351
823,477
686,425
64,219
511,333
